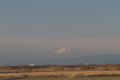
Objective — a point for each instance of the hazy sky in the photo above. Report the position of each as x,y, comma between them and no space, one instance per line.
39,27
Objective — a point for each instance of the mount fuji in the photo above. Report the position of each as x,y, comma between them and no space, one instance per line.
66,50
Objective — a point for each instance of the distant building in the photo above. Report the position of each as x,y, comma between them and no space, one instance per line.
31,64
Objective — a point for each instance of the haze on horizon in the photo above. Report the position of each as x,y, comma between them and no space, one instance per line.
36,28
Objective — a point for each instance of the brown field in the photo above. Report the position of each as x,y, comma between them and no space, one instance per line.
59,71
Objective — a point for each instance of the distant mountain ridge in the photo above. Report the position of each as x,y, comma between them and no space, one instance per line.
96,59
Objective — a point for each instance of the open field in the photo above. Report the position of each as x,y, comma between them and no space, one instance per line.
67,78
62,74
68,71
76,78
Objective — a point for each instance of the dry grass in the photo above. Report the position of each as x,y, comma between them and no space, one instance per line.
60,71
62,74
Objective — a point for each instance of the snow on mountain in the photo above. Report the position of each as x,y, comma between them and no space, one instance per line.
65,50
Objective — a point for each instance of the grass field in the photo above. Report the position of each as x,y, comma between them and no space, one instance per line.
61,72
75,78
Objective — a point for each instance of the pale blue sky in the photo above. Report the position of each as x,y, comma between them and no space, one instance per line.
38,26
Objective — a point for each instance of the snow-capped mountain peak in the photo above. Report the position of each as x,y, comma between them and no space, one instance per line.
64,50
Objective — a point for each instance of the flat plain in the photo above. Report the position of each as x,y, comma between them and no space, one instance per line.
61,72
75,78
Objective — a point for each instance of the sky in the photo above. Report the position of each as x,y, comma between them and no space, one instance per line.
37,28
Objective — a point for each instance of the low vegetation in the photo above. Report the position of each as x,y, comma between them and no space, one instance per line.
67,78
69,71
